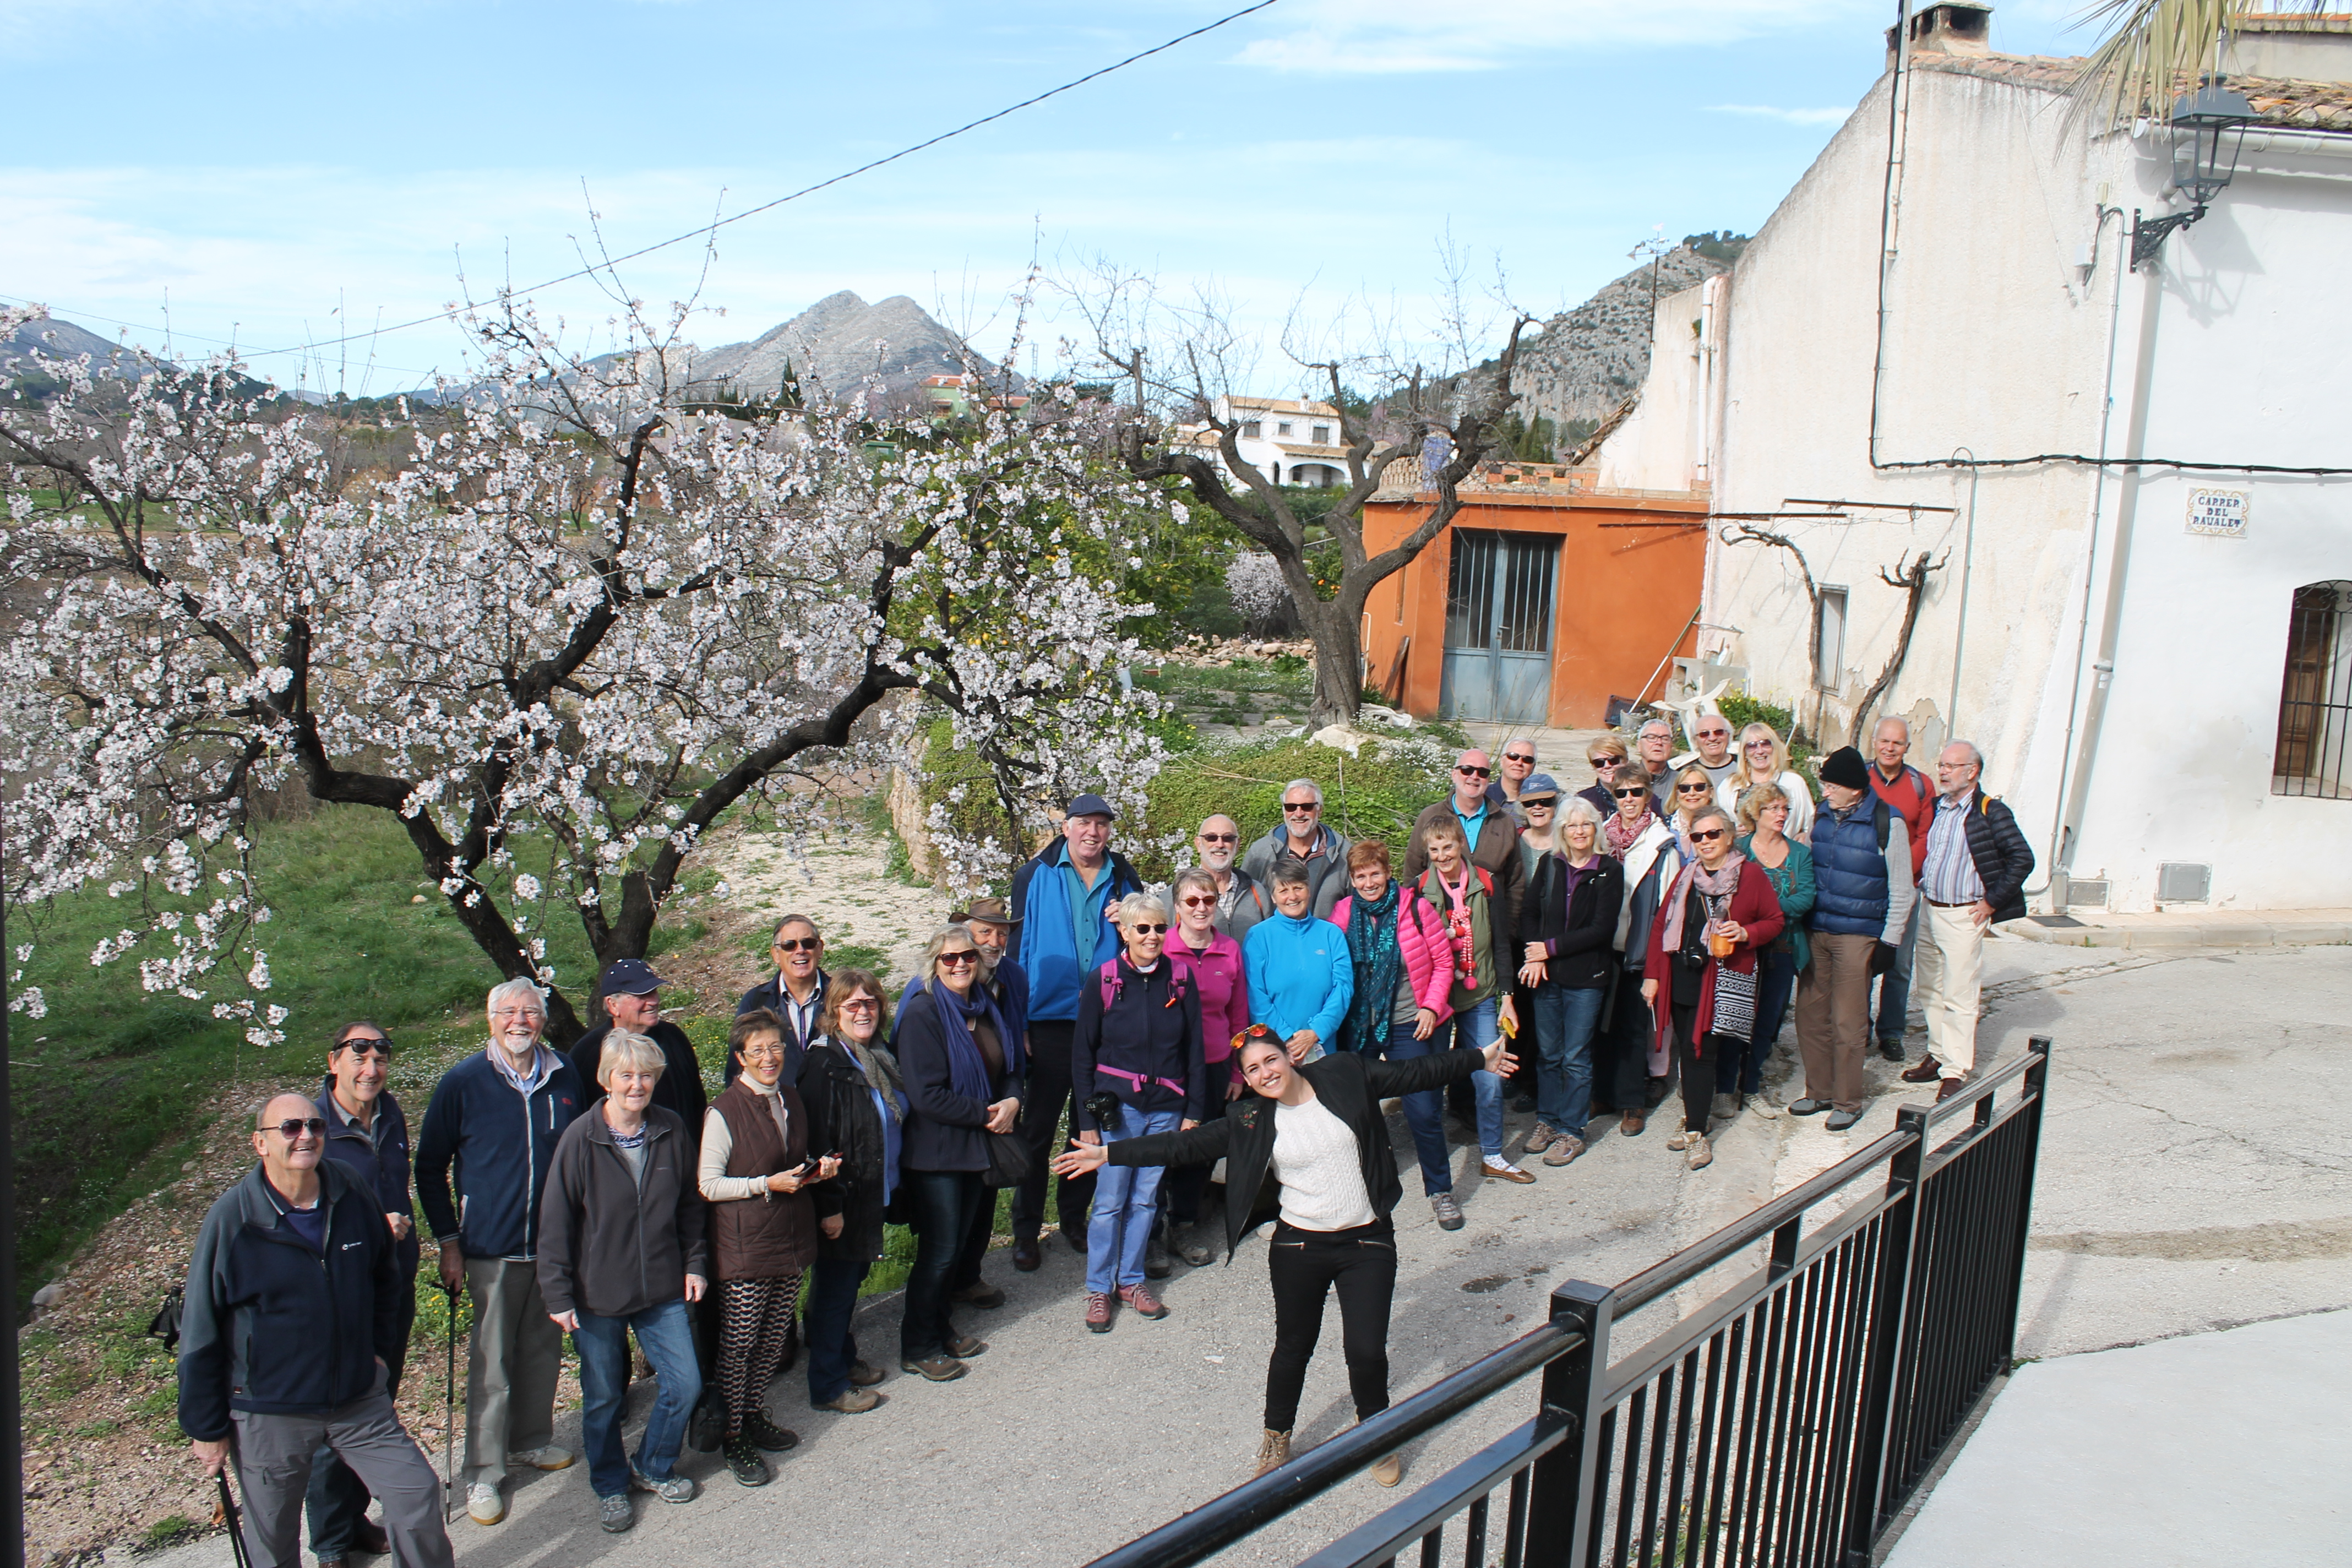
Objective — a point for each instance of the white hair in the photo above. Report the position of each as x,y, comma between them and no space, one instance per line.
1579,809
1898,721
1309,785
516,990
627,1048
1137,905
1666,724
1976,755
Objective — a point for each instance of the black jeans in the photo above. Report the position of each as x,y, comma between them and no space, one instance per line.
943,1202
1306,1266
1041,1118
1699,1077
1621,1053
976,1238
830,1297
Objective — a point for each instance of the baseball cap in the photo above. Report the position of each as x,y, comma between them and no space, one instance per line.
629,977
1091,806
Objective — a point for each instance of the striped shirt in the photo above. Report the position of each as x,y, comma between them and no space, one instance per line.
1949,875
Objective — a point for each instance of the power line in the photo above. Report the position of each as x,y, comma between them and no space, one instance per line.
74,314
716,225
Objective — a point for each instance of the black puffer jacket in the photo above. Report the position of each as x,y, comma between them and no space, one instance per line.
1580,931
2004,860
843,1117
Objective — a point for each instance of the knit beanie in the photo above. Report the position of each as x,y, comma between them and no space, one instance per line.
1845,767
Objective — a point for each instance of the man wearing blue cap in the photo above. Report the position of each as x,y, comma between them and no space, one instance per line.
632,997
1061,900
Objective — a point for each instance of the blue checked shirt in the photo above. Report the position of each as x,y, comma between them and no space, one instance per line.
1949,875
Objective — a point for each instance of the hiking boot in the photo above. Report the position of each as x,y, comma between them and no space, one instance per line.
706,1427
980,1293
1891,1050
550,1458
1157,1264
615,1513
1724,1107
485,1504
1194,1248
963,1347
1026,1255
938,1368
1504,1173
1681,1140
1632,1122
850,1402
1563,1150
1926,1069
864,1375
1449,1217
1387,1470
1141,1300
671,1487
1099,1312
1698,1156
1760,1105
1522,1103
1272,1450
1656,1094
743,1459
767,1436
1540,1139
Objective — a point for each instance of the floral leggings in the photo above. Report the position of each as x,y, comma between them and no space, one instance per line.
755,1325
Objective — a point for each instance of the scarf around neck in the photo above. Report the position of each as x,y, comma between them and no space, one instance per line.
1372,949
1619,836
1718,883
880,1067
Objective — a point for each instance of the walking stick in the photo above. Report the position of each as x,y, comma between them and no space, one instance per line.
449,1413
235,1525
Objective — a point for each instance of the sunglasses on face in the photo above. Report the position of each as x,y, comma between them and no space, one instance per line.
1636,792
1220,837
368,1046
1693,789
1760,745
1471,772
1715,734
1519,756
1144,928
1300,806
291,1129
1539,805
1200,901
1706,834
958,960
1596,763
800,944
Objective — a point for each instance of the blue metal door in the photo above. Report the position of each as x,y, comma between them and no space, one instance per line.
1499,615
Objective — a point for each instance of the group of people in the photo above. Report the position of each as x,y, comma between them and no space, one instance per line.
1093,1032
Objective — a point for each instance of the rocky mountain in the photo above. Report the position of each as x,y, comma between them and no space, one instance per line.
1588,360
63,339
835,343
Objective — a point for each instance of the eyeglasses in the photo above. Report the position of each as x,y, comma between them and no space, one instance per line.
291,1129
861,1005
530,1012
1706,834
1636,792
1144,928
800,945
1695,789
1470,773
1519,756
761,1050
1300,805
1218,838
959,958
1200,901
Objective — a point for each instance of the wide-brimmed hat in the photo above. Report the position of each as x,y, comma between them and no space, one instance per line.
987,912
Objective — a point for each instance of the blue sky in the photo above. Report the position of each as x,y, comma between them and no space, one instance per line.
276,169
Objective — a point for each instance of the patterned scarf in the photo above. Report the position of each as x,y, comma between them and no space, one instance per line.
1373,948
880,1067
1621,835
1715,885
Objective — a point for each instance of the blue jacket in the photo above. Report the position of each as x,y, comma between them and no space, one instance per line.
1048,951
500,1145
1853,895
381,1169
271,1327
1300,976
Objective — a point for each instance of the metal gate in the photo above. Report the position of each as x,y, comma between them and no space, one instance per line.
1498,615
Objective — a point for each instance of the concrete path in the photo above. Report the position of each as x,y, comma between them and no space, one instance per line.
2214,1448
2172,930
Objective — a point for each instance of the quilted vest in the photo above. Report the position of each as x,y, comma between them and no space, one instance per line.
1850,871
771,1237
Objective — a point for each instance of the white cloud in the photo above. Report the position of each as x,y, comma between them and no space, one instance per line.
1397,37
1793,116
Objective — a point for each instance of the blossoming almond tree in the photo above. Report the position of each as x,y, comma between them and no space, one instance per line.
557,629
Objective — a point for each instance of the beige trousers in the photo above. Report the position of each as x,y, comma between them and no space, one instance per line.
1947,976
511,1367
1833,1017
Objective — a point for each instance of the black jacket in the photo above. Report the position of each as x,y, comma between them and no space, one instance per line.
1146,1033
1579,932
945,1129
382,1166
770,993
271,1327
679,1088
843,1117
610,1244
1350,1086
2003,860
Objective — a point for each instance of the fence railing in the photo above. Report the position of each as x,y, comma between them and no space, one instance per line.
1784,1419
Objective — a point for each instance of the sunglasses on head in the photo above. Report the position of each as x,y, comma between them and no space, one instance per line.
800,944
1470,773
1706,834
291,1128
1220,837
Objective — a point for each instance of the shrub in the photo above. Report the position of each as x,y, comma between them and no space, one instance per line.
1374,795
1744,711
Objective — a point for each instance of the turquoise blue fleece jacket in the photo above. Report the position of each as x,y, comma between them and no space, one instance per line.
1300,976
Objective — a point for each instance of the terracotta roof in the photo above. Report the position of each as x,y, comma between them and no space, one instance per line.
2300,105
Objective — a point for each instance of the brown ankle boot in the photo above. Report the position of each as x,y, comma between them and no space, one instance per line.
1272,1450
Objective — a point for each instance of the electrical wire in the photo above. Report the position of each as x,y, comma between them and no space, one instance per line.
714,226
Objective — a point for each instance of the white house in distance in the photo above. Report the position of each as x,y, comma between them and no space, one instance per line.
2122,445
1291,443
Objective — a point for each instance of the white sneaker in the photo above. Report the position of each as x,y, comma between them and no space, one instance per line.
485,1504
548,1458
1761,1105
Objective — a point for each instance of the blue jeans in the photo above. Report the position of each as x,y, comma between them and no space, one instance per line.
1894,986
1563,1024
668,1339
1127,1202
944,1203
1424,1113
1476,1030
831,1294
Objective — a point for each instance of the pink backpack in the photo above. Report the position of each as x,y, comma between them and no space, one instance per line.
1179,980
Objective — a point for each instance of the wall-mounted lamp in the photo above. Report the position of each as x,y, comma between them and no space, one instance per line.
2207,129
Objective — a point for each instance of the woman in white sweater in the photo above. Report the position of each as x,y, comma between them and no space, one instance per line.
1764,759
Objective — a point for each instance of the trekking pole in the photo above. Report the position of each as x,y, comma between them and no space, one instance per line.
235,1525
449,1413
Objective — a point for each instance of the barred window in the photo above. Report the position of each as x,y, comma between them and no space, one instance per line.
2314,727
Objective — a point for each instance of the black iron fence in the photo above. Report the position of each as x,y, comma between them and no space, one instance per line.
1784,1419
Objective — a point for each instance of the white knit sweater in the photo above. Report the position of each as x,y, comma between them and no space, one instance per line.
1321,1169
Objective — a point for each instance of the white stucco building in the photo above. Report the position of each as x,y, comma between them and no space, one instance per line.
1291,442
1940,343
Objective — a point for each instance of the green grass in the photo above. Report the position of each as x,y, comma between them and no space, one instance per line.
1376,795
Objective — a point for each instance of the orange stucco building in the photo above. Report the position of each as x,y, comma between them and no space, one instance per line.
1542,600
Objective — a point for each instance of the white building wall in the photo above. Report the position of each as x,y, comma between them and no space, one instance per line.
1996,347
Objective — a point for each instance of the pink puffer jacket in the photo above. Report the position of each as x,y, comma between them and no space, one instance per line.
1421,939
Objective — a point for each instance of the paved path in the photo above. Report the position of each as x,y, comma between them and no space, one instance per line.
2172,930
2213,1448
2195,1175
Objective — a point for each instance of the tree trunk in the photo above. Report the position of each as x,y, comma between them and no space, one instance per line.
1337,635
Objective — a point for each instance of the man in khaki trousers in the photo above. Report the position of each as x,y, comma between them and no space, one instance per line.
1974,874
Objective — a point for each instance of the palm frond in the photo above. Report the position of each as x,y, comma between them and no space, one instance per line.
2150,51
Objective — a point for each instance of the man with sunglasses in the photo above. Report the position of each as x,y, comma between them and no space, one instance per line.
794,993
1303,839
297,1259
367,1133
1518,762
1711,734
1494,837
1242,899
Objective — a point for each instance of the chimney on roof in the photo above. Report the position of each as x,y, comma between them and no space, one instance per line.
1957,28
